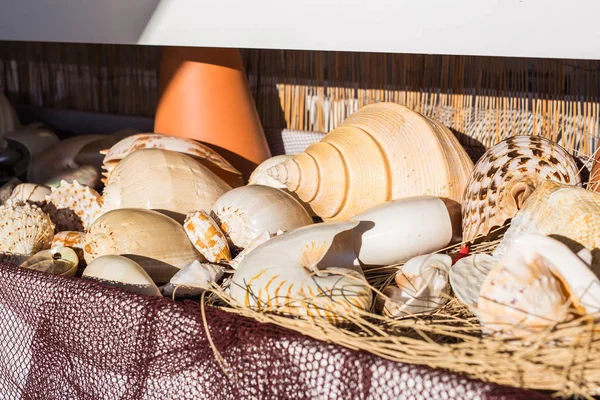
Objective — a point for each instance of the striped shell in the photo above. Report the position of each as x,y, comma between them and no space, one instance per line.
201,153
83,203
206,236
567,213
504,177
24,228
307,272
31,192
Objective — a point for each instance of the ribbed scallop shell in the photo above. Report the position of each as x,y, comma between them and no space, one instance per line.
508,173
82,201
31,192
382,152
206,236
164,180
201,153
24,228
567,213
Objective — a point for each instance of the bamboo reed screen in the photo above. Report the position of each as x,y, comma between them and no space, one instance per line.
484,99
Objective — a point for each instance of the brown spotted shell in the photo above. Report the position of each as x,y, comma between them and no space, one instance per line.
506,175
73,207
24,228
206,236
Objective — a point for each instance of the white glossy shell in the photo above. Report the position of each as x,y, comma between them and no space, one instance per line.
31,192
467,276
257,241
193,279
248,211
24,228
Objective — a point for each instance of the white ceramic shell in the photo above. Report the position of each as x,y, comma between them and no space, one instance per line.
121,272
24,228
156,179
206,236
398,230
31,192
193,279
467,276
36,140
422,286
245,212
538,283
82,201
307,272
8,117
61,261
156,242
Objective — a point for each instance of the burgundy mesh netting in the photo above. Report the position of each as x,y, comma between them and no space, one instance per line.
73,339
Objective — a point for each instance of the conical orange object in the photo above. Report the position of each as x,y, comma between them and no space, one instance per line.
205,96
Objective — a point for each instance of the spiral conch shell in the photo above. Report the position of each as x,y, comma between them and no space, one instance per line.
245,212
24,228
201,153
73,206
506,175
382,152
61,261
207,238
31,192
307,272
164,180
156,242
539,282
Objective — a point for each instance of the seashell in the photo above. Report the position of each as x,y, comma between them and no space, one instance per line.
307,272
422,287
257,241
260,177
82,205
13,259
201,153
382,152
193,280
156,242
7,189
245,212
539,282
163,180
61,261
506,175
122,273
72,239
467,276
207,238
398,230
86,175
567,213
31,192
8,116
36,140
24,228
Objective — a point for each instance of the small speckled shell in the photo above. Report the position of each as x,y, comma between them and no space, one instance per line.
207,238
31,192
83,201
506,175
24,228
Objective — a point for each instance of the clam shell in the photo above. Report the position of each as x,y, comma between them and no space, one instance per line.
171,182
82,203
567,213
246,212
467,277
206,236
382,152
61,261
201,153
121,272
24,228
307,272
506,175
8,117
31,192
193,279
156,242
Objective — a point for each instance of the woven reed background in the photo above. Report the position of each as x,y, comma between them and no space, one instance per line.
484,99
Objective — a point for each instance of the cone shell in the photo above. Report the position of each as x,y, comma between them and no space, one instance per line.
61,261
31,192
506,175
8,117
201,153
307,272
467,277
382,152
171,182
567,213
207,238
156,242
81,202
246,212
24,228
121,272
74,240
539,282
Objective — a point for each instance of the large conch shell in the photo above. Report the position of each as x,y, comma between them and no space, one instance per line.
206,236
539,282
245,212
398,230
307,272
467,276
382,152
567,213
31,192
506,175
8,117
201,153
24,228
156,242
36,140
164,180
73,207
422,286
121,272
61,261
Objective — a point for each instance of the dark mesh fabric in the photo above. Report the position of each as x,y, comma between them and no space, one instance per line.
72,339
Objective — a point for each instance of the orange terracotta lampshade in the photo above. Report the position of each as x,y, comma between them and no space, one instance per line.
205,96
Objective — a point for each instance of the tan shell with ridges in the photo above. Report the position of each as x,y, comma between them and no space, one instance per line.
24,228
83,201
506,175
382,152
206,236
